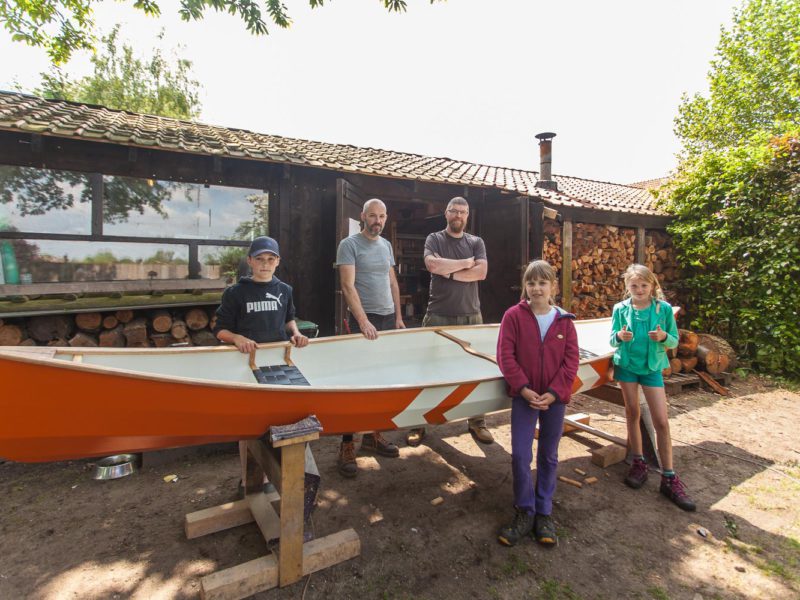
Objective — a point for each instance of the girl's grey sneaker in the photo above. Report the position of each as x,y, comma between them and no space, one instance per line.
545,530
637,474
521,526
673,488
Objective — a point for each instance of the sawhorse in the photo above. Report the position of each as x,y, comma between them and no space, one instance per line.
283,463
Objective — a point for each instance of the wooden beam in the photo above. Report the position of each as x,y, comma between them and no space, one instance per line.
568,424
611,217
261,574
537,230
566,264
71,237
217,518
640,245
290,559
268,521
96,182
268,460
94,287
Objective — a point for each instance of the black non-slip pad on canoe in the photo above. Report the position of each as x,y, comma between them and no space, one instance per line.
280,375
585,353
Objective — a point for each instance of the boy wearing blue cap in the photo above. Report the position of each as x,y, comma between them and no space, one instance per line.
260,308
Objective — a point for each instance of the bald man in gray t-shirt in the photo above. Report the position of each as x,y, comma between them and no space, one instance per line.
369,286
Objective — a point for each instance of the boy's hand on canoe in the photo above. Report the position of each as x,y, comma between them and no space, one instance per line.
299,340
243,344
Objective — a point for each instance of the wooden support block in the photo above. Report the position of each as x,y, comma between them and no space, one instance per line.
290,558
610,392
268,459
218,518
609,455
266,518
241,581
590,480
309,437
577,484
261,574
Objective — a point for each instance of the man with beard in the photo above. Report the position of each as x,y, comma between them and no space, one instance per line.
457,262
369,287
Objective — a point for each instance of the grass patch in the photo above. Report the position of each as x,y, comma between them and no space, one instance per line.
515,566
552,589
658,593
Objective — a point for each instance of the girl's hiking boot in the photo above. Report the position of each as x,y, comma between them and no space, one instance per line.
521,526
377,444
637,474
545,530
673,488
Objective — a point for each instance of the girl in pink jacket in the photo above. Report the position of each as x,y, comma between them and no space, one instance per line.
537,352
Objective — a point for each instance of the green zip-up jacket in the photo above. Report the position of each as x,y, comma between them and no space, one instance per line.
656,351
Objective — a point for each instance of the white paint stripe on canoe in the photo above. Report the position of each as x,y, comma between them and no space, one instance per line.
487,397
427,399
588,376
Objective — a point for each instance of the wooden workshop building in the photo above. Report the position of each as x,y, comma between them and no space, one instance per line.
130,178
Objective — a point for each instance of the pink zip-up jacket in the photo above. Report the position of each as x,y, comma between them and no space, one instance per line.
525,360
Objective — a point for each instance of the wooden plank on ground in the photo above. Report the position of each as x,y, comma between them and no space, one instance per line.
594,431
261,574
241,581
578,417
217,518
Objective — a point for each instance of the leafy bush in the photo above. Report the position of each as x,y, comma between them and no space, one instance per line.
737,230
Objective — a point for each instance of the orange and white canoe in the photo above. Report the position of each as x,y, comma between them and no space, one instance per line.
67,403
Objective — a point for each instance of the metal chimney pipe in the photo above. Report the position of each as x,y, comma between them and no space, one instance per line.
546,160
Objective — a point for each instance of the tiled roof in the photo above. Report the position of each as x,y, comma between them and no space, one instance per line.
21,112
650,184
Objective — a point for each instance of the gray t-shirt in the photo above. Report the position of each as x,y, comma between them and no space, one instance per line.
372,260
449,297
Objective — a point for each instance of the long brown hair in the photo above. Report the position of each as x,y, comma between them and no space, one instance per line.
643,272
538,269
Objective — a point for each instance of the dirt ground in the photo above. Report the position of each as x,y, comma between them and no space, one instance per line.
64,535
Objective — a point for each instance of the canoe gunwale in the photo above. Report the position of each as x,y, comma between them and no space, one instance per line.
46,357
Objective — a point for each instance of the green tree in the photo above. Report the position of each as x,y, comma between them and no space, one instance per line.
736,228
64,26
754,81
122,81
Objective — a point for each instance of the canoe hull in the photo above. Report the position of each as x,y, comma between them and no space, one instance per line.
57,410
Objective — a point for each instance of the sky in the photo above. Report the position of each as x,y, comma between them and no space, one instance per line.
466,79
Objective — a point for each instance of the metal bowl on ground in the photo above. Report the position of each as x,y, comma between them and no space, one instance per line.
114,467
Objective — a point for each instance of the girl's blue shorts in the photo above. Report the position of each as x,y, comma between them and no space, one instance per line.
650,380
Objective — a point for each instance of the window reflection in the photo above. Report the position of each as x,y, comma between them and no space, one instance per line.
44,200
154,208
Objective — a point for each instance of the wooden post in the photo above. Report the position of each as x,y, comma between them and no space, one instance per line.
283,462
640,245
537,230
566,264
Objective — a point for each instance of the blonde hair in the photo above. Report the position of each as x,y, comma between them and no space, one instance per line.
643,272
538,269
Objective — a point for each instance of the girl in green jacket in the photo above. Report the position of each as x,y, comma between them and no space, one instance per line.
642,328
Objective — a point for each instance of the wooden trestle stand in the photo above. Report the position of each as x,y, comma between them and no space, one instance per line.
283,462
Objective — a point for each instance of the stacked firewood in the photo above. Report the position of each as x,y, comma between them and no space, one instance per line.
700,351
600,255
121,328
551,249
660,257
